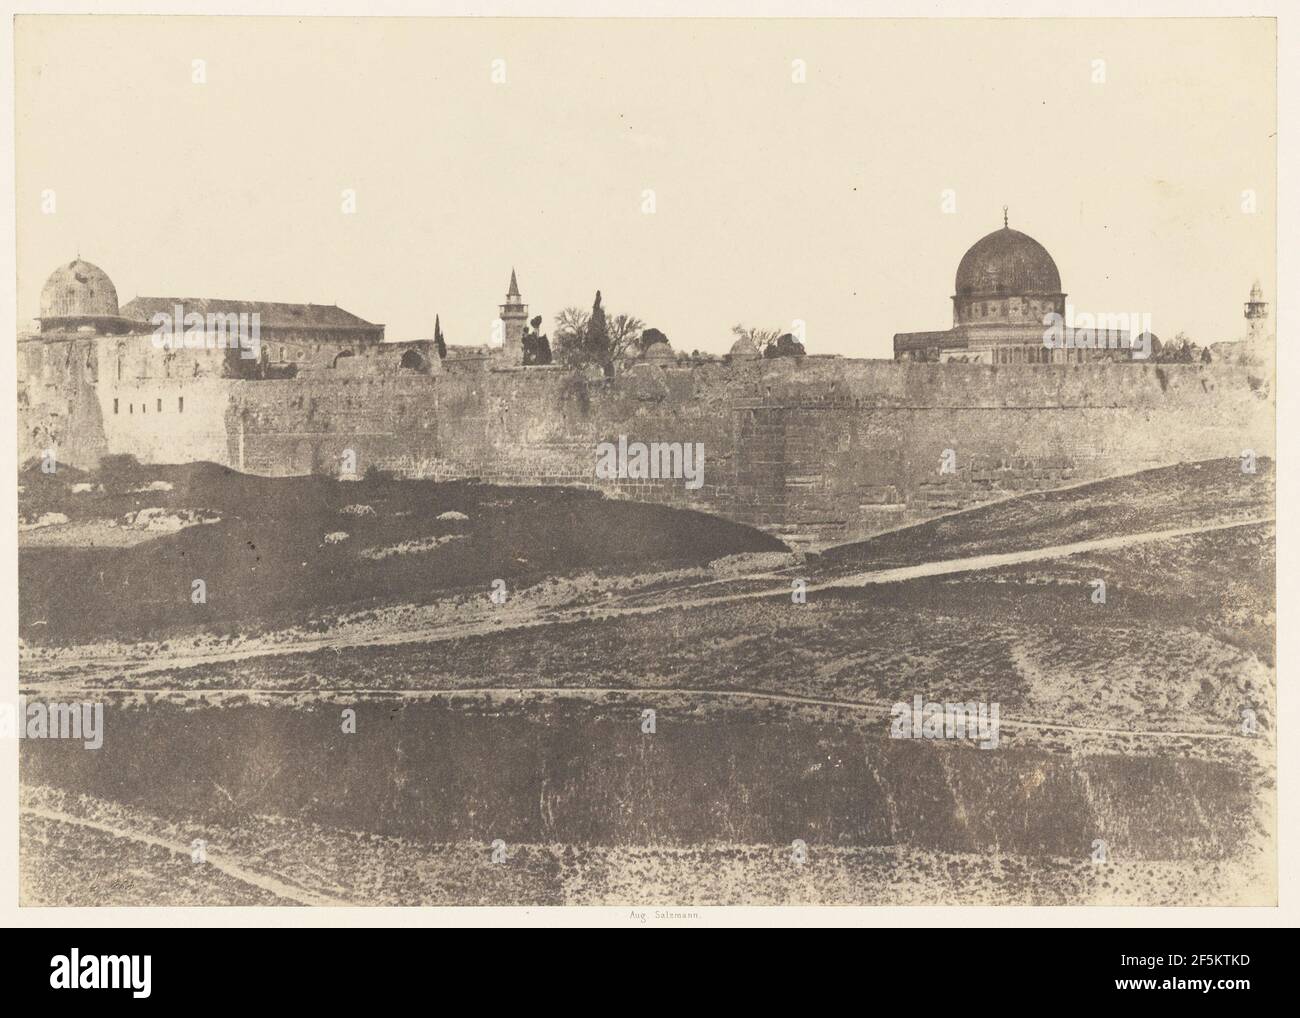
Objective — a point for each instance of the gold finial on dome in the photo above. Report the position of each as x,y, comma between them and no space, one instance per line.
1004,217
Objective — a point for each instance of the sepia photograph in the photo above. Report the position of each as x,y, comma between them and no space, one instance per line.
662,464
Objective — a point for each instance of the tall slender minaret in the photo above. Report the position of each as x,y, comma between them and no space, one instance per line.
1256,315
514,316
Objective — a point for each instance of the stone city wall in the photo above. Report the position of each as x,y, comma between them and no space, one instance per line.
815,450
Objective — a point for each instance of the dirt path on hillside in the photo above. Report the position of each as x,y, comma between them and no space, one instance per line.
596,693
280,889
508,619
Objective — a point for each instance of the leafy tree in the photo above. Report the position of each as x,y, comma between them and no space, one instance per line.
769,342
649,337
585,338
785,345
438,341
761,338
571,336
626,336
537,348
597,344
1179,350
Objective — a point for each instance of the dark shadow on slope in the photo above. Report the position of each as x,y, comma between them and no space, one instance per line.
271,561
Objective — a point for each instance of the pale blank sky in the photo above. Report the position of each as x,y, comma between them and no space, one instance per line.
775,201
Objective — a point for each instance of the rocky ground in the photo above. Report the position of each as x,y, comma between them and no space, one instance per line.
115,556
1143,723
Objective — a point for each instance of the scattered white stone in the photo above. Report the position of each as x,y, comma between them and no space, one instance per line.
357,510
452,514
754,563
44,520
83,486
413,547
336,537
154,486
161,520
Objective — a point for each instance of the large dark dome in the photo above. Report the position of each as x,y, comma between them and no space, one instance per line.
1007,263
78,290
